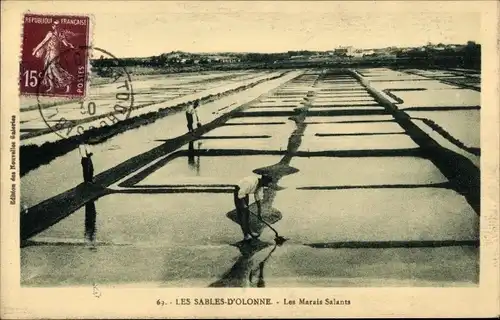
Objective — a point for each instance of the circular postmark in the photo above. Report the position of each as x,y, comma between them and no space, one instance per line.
85,107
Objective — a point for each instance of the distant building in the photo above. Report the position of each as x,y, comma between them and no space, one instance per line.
223,59
298,57
344,51
367,52
173,55
358,53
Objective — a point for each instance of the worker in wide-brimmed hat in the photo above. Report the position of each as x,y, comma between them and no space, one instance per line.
249,185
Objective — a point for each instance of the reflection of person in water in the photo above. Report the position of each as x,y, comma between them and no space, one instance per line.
90,222
190,154
49,49
192,162
260,269
260,280
243,272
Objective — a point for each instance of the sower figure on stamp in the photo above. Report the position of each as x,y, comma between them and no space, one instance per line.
191,112
87,165
248,185
49,50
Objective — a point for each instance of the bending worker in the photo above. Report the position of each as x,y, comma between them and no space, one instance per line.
248,185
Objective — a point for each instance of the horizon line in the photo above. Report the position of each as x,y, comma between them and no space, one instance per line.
310,50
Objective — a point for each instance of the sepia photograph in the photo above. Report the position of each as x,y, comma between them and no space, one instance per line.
248,145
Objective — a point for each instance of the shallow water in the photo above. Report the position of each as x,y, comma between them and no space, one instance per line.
370,171
463,125
342,99
437,98
307,267
274,143
226,86
187,238
384,142
65,172
249,120
275,104
270,109
342,95
154,219
289,266
352,128
339,108
208,170
311,119
179,245
375,215
427,84
283,130
104,96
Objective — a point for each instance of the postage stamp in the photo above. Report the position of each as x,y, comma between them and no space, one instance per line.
56,66
54,59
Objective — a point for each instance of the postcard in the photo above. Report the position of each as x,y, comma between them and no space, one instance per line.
258,159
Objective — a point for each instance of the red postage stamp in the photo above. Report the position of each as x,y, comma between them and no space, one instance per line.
55,55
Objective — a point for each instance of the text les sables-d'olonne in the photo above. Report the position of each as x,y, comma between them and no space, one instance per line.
13,157
254,302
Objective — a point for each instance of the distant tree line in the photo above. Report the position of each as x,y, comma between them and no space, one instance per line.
165,60
468,56
465,56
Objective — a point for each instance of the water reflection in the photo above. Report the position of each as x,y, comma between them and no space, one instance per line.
90,224
244,273
194,162
283,168
276,171
260,270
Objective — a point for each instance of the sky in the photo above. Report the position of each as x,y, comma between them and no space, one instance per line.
133,29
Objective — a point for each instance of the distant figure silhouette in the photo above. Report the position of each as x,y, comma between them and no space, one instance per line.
86,160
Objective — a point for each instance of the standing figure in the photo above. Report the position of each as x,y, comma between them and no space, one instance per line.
49,49
306,102
191,112
255,185
87,165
